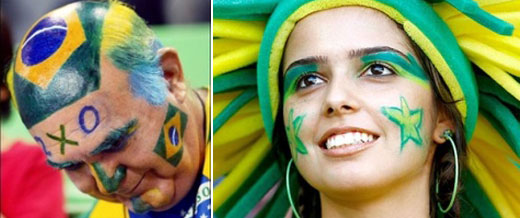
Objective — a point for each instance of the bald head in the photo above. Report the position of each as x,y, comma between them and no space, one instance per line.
58,60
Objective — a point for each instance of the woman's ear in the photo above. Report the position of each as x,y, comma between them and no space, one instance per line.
172,69
442,124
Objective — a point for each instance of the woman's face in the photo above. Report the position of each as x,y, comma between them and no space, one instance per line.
359,111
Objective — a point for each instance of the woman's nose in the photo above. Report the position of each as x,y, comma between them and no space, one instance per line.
108,176
340,99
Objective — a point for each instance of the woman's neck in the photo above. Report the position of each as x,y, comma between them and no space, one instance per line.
408,198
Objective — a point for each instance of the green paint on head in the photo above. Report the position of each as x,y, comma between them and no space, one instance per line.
63,140
293,131
292,76
77,77
409,121
408,68
165,142
109,183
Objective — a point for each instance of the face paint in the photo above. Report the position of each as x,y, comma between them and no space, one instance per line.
40,141
69,165
139,205
107,184
58,61
409,121
408,68
116,139
293,131
63,140
81,118
170,143
292,76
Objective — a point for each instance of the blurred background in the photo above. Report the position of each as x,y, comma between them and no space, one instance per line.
184,25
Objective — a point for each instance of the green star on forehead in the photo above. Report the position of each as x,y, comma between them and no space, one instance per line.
410,121
63,140
293,130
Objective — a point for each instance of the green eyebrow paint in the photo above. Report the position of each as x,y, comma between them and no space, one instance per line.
116,135
292,76
293,131
409,121
408,68
61,165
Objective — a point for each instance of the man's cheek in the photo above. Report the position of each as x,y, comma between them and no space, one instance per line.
170,143
82,179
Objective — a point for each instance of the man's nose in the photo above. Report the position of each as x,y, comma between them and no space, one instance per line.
107,183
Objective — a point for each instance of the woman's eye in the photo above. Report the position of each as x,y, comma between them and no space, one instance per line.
378,70
308,80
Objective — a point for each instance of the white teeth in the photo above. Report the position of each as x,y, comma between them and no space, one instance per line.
349,138
364,137
357,137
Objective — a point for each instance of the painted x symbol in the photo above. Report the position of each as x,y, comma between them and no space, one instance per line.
63,140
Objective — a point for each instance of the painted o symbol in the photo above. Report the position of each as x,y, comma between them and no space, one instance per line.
174,136
82,119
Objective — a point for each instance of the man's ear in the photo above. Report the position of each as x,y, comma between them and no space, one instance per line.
172,68
442,124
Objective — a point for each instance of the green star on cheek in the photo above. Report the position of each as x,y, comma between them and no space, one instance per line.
293,131
409,121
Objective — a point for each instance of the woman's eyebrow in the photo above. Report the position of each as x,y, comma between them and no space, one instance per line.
365,51
307,60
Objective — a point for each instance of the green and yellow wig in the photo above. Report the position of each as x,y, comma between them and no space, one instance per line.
475,46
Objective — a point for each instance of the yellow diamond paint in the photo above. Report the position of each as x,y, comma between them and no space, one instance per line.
41,74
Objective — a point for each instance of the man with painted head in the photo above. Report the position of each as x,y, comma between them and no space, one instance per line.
109,105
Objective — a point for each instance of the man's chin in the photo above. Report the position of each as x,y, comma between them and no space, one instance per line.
151,200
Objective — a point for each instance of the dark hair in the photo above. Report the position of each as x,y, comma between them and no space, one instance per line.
443,164
6,53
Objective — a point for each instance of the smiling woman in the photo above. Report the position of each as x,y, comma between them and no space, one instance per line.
369,106
370,115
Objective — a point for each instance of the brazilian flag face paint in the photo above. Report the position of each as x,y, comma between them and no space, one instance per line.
170,143
57,62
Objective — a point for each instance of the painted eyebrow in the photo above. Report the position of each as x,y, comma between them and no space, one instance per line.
365,51
307,60
351,54
62,165
114,136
